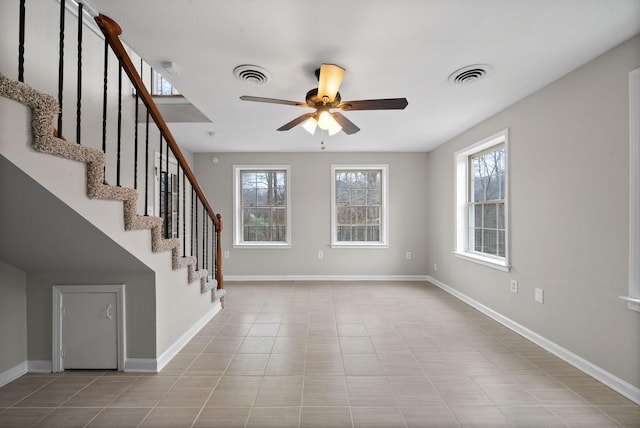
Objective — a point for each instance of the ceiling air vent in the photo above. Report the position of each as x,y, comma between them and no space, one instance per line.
252,74
469,74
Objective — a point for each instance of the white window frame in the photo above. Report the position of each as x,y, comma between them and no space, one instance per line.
237,207
461,210
634,189
384,221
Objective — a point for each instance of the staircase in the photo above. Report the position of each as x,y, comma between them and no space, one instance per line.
183,230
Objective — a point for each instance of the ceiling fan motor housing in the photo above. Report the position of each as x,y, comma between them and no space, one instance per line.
314,101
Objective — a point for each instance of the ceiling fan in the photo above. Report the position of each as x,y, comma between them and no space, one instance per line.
326,97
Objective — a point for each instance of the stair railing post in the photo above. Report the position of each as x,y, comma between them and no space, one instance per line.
218,269
21,31
79,72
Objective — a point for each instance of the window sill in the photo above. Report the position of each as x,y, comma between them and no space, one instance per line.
356,245
484,261
270,245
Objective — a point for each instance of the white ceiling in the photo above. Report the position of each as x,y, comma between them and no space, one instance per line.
399,48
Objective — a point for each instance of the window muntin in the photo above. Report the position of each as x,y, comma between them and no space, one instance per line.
487,229
482,202
359,205
262,206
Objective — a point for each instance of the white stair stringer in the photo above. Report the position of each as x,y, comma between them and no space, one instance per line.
44,109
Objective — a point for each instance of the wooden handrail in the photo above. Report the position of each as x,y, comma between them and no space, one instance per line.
112,31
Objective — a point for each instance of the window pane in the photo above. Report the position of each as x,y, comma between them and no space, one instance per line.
262,192
490,216
359,196
501,223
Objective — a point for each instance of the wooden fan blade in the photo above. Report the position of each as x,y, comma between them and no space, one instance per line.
297,121
272,101
347,126
379,104
329,82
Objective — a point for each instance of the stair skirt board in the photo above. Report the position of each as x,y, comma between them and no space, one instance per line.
44,109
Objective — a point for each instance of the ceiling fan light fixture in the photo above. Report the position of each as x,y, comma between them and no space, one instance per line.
310,125
325,120
335,129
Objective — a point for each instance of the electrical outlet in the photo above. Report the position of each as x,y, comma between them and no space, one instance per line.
320,254
514,286
435,267
539,295
407,255
226,254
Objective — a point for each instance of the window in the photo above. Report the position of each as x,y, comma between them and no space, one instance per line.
359,209
481,202
262,206
162,86
634,191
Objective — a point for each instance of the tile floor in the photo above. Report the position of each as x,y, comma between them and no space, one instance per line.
301,354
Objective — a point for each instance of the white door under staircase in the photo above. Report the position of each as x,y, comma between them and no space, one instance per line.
89,329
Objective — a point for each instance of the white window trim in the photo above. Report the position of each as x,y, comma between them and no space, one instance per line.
384,233
461,179
634,189
237,209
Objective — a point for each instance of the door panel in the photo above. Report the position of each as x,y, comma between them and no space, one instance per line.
90,330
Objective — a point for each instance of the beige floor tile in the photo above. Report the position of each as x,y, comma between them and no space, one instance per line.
189,391
557,396
362,365
627,416
280,391
235,391
223,345
584,416
256,345
285,365
324,363
413,391
352,329
263,330
233,329
321,344
323,417
531,416
222,417
209,365
429,416
289,345
462,394
248,364
325,391
56,392
399,364
293,330
119,418
101,392
370,391
144,392
21,387
276,417
22,417
170,417
68,418
480,416
356,345
376,417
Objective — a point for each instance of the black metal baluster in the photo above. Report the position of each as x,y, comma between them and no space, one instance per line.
61,66
196,246
184,215
146,167
79,87
135,139
105,88
167,194
192,220
177,179
119,123
21,42
204,238
160,189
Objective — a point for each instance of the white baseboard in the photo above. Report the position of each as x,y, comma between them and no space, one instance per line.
150,365
13,373
231,278
141,365
39,366
621,386
168,355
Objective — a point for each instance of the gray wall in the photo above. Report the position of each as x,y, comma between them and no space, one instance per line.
310,211
140,309
13,317
569,189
